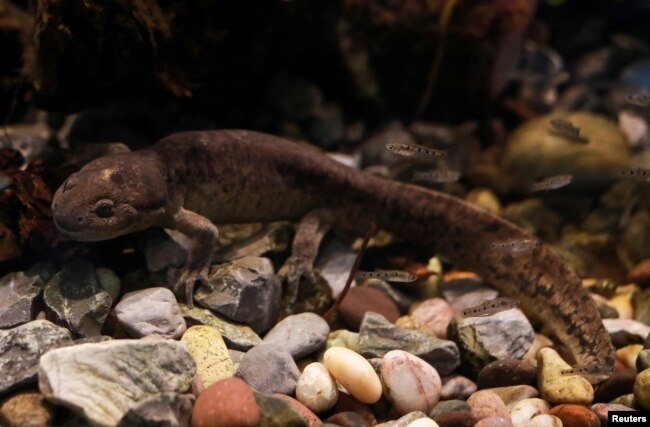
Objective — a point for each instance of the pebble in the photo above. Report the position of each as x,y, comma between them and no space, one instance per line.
423,422
277,412
601,410
410,383
402,301
643,360
545,420
355,373
245,290
79,297
21,349
626,331
641,303
299,334
269,369
404,420
524,410
457,387
445,406
150,311
161,409
165,249
343,338
620,382
455,419
625,400
18,298
486,403
210,354
627,355
237,336
229,402
347,419
464,292
335,260
494,422
348,403
575,415
433,316
362,299
123,372
642,389
515,393
507,372
557,388
316,388
26,409
377,336
540,342
507,334
311,418
640,273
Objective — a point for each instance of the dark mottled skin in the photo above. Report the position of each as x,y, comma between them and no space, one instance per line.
242,176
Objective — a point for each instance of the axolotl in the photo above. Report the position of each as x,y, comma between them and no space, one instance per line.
189,181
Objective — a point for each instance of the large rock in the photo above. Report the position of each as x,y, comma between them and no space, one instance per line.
103,381
152,311
18,292
160,410
21,349
245,290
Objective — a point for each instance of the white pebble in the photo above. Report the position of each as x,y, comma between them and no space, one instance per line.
410,383
355,373
544,420
524,410
316,389
423,422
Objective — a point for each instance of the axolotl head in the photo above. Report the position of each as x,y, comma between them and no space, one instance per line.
111,196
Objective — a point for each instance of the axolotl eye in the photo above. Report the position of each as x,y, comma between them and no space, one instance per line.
104,208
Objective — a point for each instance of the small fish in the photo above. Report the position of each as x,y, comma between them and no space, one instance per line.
567,130
490,307
412,150
638,173
638,99
594,372
390,275
514,245
437,176
552,183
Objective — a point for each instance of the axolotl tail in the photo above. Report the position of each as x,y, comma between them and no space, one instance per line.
535,275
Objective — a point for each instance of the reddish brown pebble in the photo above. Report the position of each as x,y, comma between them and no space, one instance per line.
619,383
640,273
361,299
486,403
348,419
348,403
226,403
507,372
575,415
312,419
455,419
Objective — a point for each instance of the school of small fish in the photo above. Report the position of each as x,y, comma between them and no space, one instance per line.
552,183
488,308
515,245
567,130
437,176
413,150
389,275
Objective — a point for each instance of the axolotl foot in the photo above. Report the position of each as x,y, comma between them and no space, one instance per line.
294,270
184,287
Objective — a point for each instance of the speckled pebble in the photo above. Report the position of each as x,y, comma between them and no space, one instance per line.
507,372
601,410
494,422
433,315
625,400
355,373
524,410
26,409
316,388
410,383
299,334
545,420
575,415
642,389
209,351
557,388
457,387
150,311
269,369
486,403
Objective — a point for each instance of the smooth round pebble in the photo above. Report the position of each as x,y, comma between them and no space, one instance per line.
575,415
355,373
545,420
557,388
642,389
299,334
486,403
269,370
316,388
433,315
410,383
209,351
423,422
494,422
455,419
226,403
361,299
507,372
524,410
